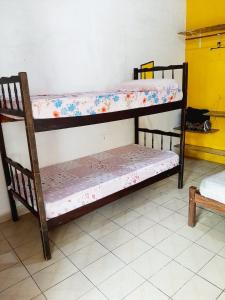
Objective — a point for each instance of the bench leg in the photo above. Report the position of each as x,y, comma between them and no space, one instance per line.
192,207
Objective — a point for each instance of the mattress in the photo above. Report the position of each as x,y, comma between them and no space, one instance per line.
120,98
70,185
213,187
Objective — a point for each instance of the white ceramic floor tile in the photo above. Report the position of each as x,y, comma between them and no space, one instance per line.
145,206
162,199
115,239
221,226
211,219
213,240
7,260
222,252
173,245
103,268
131,250
139,225
183,211
30,249
121,284
145,292
150,263
174,221
197,289
11,276
125,217
157,214
4,246
193,233
111,209
93,294
155,234
222,296
19,239
88,221
39,297
102,229
55,273
87,255
194,258
37,262
96,224
11,228
79,241
138,202
71,288
64,232
23,290
174,204
214,271
171,278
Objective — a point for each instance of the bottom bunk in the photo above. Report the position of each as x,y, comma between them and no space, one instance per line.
74,184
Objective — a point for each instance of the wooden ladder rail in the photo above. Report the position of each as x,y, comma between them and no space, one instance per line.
31,140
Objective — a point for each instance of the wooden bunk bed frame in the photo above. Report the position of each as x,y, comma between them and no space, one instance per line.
16,188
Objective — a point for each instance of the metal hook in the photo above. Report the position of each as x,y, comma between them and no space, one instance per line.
219,43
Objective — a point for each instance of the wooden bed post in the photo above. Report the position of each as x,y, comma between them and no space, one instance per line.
30,132
7,175
136,119
192,207
136,132
183,125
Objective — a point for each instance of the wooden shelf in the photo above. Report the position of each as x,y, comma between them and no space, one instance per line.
204,32
195,131
203,149
219,114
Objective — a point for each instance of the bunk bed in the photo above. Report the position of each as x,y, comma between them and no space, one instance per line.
56,194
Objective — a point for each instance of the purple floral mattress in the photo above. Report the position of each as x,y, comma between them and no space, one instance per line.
72,184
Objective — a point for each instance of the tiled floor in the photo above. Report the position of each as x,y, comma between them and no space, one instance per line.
138,248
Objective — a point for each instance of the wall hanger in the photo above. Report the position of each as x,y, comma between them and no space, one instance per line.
219,44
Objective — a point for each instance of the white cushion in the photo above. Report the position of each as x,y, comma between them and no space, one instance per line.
213,187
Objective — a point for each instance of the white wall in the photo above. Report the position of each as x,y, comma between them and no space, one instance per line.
79,46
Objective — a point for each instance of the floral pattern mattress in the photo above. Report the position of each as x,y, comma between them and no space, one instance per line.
91,103
72,184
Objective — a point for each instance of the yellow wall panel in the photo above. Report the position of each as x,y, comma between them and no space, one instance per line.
206,73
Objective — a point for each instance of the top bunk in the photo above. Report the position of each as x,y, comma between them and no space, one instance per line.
132,99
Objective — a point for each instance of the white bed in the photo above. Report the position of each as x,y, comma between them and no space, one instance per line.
213,187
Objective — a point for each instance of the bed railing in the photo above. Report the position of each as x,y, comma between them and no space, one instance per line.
159,69
10,96
22,185
162,134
